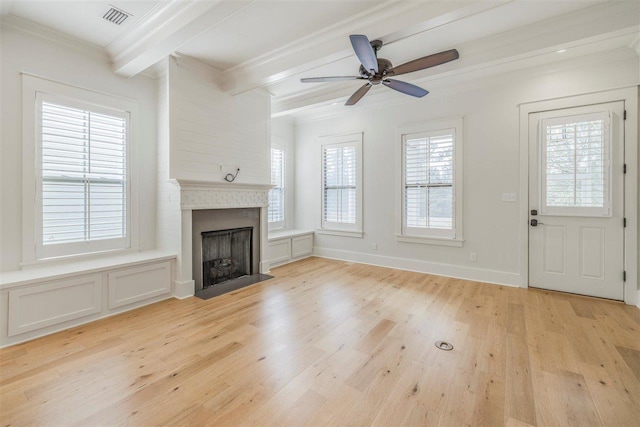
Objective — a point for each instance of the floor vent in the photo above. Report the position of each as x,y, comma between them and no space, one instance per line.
115,15
443,345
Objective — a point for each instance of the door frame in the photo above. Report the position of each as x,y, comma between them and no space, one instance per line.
629,95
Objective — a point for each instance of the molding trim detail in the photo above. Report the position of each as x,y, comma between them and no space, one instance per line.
495,277
201,195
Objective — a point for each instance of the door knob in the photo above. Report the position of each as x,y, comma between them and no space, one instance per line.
535,223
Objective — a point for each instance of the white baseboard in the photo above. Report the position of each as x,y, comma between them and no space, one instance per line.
182,290
448,270
638,299
265,267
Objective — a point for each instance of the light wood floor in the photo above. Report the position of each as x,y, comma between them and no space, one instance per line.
334,343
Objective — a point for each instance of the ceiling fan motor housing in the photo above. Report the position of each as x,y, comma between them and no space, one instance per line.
384,65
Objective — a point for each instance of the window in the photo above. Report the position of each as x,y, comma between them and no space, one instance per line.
342,184
575,165
79,195
82,179
276,194
431,201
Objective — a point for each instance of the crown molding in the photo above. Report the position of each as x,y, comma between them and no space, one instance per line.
49,34
446,86
197,67
328,45
529,46
165,28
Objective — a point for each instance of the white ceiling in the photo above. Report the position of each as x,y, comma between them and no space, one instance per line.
459,34
264,26
81,18
271,44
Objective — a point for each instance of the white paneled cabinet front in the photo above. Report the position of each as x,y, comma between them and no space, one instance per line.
40,305
301,246
49,304
138,284
279,251
289,245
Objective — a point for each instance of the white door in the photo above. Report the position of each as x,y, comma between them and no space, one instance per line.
576,200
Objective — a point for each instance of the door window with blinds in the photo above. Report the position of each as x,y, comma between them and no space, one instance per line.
431,180
276,194
82,177
342,183
575,166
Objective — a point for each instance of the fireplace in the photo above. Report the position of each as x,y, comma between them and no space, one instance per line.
225,250
226,255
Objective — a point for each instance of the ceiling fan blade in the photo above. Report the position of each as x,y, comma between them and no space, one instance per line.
406,88
329,79
357,95
364,52
425,62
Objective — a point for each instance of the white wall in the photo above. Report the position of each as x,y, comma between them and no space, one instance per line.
168,227
283,136
203,134
491,157
211,129
77,65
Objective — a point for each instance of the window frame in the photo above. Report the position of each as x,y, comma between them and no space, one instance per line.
35,90
339,228
581,211
279,225
426,235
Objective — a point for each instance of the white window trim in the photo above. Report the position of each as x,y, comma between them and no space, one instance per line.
575,210
334,228
31,86
280,225
407,236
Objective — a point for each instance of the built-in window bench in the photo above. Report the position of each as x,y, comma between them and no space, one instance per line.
289,245
40,300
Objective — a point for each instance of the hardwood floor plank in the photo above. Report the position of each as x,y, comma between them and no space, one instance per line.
336,343
520,403
632,357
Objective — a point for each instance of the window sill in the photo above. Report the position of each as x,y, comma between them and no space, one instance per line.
430,240
65,259
287,234
343,233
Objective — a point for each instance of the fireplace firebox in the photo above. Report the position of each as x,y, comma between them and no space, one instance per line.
226,250
226,255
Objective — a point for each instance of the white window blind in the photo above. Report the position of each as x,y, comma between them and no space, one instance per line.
83,174
339,163
575,155
276,194
428,162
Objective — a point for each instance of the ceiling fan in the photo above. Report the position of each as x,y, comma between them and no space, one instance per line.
378,70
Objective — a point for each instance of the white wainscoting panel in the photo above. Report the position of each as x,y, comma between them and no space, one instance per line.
137,284
44,305
279,251
301,246
289,245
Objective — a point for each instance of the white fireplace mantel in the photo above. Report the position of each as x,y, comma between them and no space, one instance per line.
196,195
222,195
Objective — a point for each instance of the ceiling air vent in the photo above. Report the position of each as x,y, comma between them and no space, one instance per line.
115,15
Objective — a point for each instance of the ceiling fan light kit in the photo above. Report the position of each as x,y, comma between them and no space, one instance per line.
378,70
